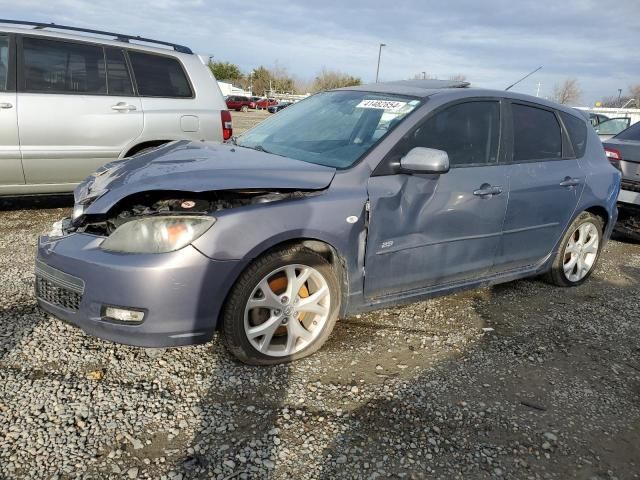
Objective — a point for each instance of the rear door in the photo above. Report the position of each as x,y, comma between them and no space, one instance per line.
545,184
77,108
10,164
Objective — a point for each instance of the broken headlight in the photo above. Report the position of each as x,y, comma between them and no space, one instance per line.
157,234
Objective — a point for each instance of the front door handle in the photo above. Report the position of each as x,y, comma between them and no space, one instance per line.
570,182
487,190
123,107
6,105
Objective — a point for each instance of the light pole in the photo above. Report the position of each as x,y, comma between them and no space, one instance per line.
379,54
619,95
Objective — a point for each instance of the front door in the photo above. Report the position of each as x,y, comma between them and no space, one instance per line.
10,164
77,109
431,230
544,188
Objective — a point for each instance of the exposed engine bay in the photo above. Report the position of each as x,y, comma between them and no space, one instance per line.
174,203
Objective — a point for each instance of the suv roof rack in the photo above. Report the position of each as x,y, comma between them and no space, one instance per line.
118,36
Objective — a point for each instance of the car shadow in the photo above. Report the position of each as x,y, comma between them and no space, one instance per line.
36,202
484,413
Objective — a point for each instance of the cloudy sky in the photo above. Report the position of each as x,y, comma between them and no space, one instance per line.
492,42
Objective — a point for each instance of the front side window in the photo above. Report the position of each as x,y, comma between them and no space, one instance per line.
159,76
4,62
118,79
536,134
63,67
577,130
468,132
331,128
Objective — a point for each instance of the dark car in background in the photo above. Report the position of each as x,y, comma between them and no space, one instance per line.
623,151
239,103
279,106
350,200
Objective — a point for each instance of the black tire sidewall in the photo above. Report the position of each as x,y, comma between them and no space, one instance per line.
233,332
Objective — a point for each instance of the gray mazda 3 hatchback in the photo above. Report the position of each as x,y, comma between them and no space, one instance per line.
350,200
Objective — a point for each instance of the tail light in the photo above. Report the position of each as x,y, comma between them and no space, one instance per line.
614,156
227,125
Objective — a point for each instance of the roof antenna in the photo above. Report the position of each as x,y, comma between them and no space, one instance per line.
527,75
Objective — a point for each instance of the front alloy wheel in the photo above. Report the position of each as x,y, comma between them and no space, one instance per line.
287,310
283,307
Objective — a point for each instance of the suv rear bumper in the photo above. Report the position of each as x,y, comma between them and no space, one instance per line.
180,293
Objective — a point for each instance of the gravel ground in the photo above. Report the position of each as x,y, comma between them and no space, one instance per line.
521,380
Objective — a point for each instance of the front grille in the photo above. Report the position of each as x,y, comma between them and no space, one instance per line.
58,288
57,295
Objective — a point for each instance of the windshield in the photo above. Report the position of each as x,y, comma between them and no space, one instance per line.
330,128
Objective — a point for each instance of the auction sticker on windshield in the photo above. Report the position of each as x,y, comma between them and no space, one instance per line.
388,105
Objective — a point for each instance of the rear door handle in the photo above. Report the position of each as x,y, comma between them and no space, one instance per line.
123,107
6,105
570,182
487,190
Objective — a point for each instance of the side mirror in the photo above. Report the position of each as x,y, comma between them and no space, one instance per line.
425,160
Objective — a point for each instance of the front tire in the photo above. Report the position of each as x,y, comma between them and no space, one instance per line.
282,308
245,108
578,253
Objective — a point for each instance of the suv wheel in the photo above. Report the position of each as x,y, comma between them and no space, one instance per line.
245,108
282,308
579,251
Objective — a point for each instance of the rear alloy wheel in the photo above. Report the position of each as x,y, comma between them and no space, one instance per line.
579,252
282,308
245,108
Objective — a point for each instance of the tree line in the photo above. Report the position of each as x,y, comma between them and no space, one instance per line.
262,80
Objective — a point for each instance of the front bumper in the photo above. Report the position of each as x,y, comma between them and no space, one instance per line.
180,292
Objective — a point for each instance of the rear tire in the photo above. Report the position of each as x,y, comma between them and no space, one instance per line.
267,318
245,108
578,253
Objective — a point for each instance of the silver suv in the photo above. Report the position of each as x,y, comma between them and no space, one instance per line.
70,103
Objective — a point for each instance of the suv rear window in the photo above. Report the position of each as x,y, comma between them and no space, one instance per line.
159,76
4,61
577,130
63,67
118,79
536,134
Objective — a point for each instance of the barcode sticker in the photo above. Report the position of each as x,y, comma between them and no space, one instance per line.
388,105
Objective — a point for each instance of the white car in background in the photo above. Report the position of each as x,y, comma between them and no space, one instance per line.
70,103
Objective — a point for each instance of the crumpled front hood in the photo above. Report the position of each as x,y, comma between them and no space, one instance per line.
198,167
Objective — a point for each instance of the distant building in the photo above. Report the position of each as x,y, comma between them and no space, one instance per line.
230,89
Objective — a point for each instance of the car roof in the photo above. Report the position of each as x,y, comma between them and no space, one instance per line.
89,38
453,89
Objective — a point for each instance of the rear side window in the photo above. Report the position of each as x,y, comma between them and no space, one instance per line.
4,62
63,67
631,133
158,76
118,79
577,130
536,134
468,132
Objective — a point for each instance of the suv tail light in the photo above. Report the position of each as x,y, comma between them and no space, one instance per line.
227,125
614,156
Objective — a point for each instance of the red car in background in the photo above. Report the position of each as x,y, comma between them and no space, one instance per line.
239,103
266,103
